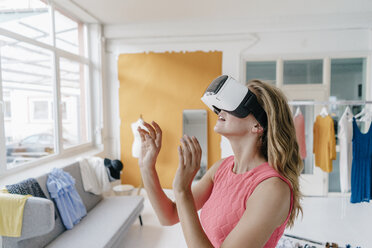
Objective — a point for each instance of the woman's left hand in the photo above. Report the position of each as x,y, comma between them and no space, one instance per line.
189,154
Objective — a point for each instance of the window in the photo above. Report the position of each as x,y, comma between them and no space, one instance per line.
348,78
30,74
29,18
73,91
263,70
303,72
69,34
33,81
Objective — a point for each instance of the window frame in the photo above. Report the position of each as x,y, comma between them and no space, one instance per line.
57,53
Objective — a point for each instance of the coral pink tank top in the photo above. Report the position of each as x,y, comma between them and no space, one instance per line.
227,202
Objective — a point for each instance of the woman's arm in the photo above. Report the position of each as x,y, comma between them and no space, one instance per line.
189,163
165,209
150,147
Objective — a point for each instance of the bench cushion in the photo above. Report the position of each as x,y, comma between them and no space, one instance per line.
103,225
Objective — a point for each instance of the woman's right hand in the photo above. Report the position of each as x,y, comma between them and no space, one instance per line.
150,145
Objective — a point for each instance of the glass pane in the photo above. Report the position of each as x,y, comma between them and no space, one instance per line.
262,70
26,17
74,108
69,34
8,111
27,85
348,78
303,72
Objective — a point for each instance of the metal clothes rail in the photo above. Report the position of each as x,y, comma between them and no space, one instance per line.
341,102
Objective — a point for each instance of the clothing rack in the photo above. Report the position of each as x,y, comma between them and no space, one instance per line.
341,102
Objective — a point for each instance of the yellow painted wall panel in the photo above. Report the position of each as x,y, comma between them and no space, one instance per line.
160,86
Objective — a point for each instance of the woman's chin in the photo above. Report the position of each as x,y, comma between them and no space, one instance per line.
218,130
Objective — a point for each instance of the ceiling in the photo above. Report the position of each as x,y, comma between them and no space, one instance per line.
128,12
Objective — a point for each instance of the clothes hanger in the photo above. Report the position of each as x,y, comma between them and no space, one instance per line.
361,113
324,112
367,117
348,113
298,111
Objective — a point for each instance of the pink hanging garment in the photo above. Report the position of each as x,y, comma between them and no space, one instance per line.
299,123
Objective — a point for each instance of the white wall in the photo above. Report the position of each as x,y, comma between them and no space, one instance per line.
235,47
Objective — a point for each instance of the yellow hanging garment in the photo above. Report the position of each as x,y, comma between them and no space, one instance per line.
11,213
324,145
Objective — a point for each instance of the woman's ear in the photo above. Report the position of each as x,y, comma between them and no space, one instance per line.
257,129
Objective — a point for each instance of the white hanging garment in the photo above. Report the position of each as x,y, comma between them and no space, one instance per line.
324,112
298,111
345,135
94,175
136,147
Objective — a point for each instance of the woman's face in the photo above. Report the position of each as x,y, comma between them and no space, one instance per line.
229,125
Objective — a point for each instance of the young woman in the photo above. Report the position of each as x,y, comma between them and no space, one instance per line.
247,199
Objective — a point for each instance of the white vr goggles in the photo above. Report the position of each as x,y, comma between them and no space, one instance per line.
225,93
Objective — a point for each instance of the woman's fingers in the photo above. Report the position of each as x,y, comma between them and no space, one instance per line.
142,133
192,149
180,157
159,133
197,147
151,130
145,137
186,151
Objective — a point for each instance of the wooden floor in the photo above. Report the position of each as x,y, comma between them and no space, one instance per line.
326,219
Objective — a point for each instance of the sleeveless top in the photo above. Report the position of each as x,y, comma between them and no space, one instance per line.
227,202
361,185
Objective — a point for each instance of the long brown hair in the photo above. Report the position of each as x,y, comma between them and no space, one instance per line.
279,143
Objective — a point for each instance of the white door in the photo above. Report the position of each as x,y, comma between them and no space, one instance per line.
313,181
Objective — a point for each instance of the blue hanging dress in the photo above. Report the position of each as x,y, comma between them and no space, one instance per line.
361,166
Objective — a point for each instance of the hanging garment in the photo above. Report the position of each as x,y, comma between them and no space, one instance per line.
226,204
345,135
324,144
26,187
61,186
136,147
361,165
11,214
94,175
299,123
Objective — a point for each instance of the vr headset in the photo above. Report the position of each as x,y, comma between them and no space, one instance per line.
225,93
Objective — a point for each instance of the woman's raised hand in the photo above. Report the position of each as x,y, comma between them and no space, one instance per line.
150,144
189,154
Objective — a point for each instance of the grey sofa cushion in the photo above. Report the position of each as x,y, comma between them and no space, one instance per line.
103,225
